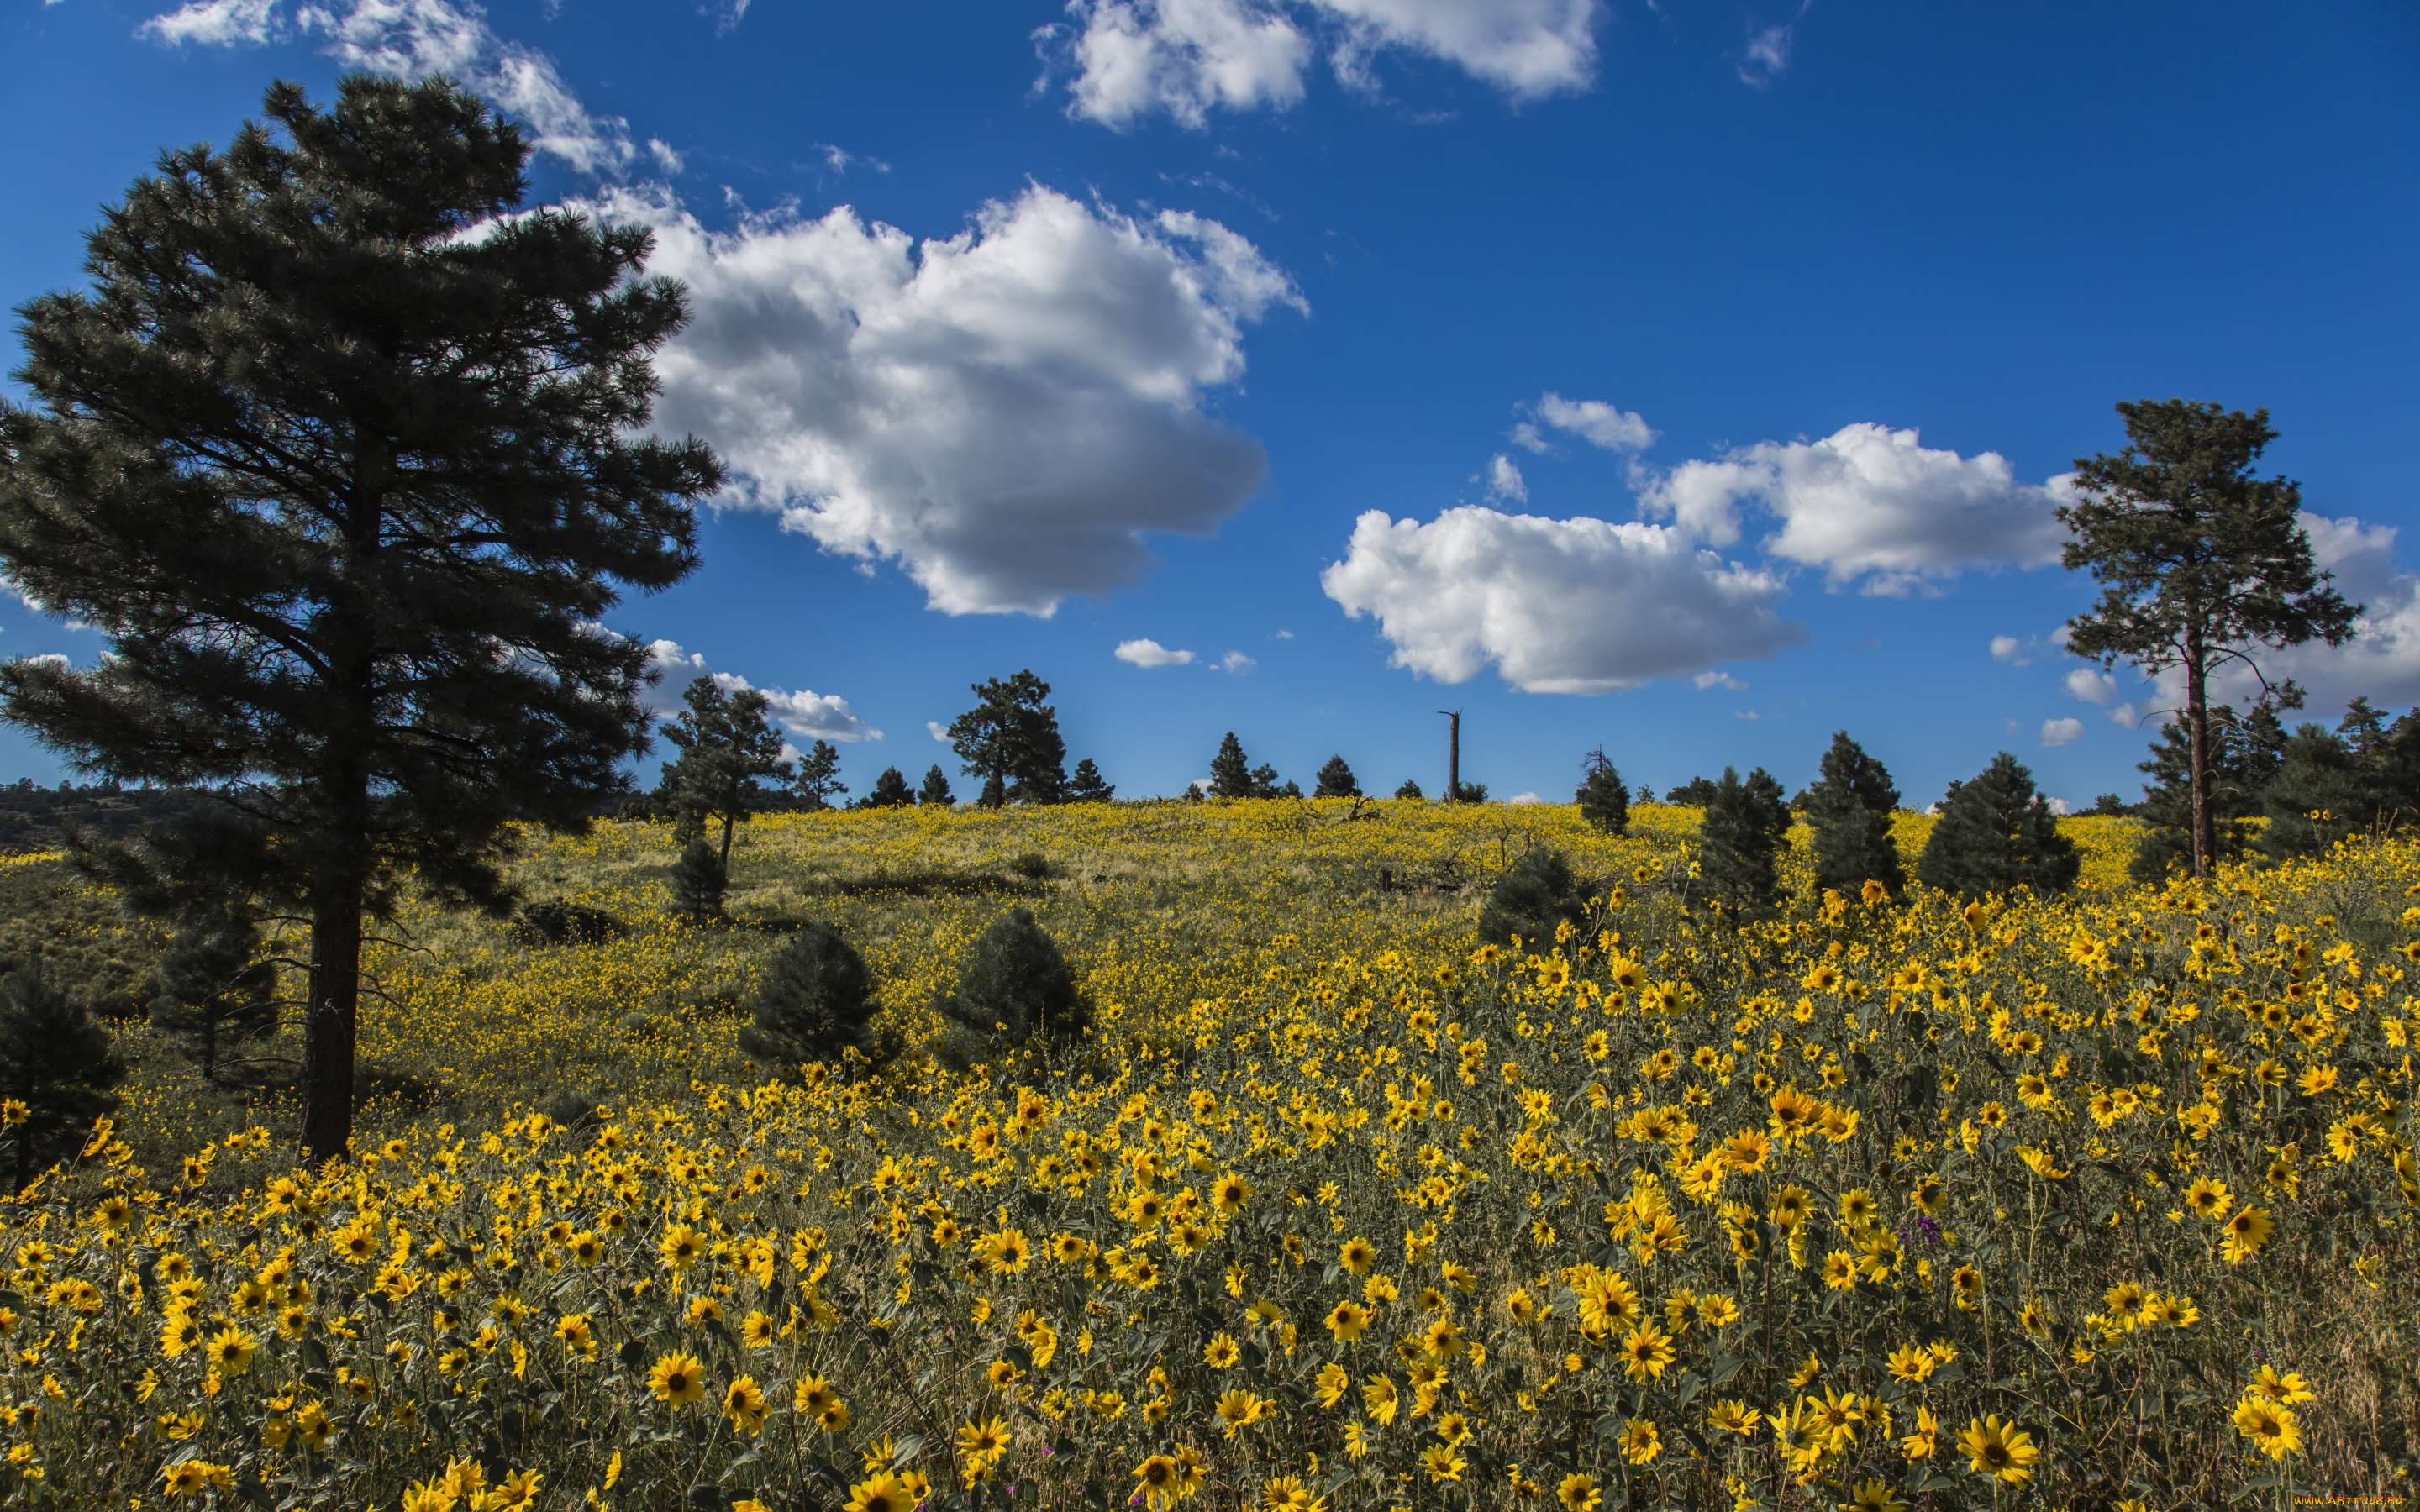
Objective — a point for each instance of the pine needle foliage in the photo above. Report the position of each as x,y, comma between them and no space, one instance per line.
1086,784
1850,809
1603,796
814,1004
700,878
1739,848
2201,564
936,789
1336,780
1996,834
890,790
1230,771
728,749
216,992
56,1062
1015,992
347,487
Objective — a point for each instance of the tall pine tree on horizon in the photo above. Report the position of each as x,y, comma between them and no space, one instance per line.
1011,740
347,489
728,748
2201,565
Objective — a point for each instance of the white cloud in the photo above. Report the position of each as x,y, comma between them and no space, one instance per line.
2058,806
2006,648
1767,57
819,716
1572,606
1184,58
2091,685
1504,480
1148,652
938,730
2060,731
666,159
1720,680
1525,797
1869,504
2383,659
1005,413
2128,716
1283,635
48,659
414,38
1236,662
214,23
1592,421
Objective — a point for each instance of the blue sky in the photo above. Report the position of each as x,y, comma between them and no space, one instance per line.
1693,379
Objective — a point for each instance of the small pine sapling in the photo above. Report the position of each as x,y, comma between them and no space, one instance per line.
815,1004
215,992
1603,798
56,1071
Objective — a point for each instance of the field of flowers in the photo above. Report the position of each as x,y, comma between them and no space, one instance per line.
2097,1201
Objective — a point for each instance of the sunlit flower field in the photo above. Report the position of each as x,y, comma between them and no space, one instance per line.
2100,1201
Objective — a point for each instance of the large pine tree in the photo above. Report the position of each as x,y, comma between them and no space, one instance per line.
1011,740
2201,565
340,454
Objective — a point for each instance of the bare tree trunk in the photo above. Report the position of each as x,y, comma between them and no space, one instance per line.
1453,755
2205,838
330,1023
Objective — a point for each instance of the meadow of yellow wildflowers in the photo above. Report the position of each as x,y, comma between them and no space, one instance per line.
2104,1200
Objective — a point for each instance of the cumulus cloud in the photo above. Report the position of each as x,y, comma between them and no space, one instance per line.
1005,413
2091,685
1236,662
1130,59
938,730
816,716
214,23
2006,648
1869,505
1720,680
1150,652
2061,732
414,38
1504,480
1591,420
1571,606
2383,659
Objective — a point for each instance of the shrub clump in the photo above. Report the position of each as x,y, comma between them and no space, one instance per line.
1532,901
1996,834
814,1003
1014,992
56,1071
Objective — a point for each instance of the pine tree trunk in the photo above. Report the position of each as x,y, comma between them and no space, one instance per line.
2197,738
329,1027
